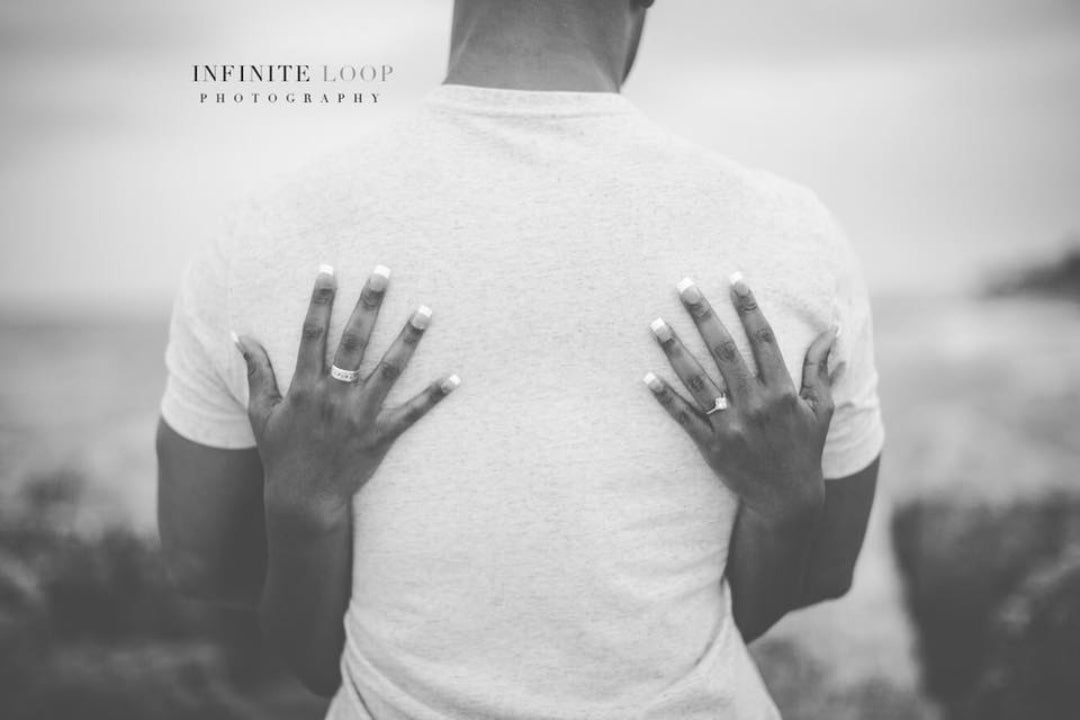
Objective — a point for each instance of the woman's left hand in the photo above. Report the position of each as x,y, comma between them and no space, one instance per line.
763,438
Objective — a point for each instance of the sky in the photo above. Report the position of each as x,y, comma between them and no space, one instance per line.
942,133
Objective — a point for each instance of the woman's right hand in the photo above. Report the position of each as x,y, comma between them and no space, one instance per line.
324,439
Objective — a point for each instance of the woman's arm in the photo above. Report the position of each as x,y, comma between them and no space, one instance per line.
765,440
766,559
319,445
210,519
307,590
838,538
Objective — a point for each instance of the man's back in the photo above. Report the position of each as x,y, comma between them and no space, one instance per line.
548,544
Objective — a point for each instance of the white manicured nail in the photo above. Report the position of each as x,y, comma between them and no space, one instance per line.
661,330
327,270
450,383
652,381
689,291
421,318
738,283
236,339
380,276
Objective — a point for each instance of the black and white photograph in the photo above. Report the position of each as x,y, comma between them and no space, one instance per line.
540,360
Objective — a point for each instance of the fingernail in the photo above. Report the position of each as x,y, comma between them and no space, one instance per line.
380,277
661,330
421,318
689,291
738,284
236,340
450,383
837,329
653,382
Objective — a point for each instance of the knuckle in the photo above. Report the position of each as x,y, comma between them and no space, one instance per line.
765,335
696,383
726,350
312,330
786,398
389,371
352,341
370,299
747,304
756,411
372,442
329,405
322,295
413,414
300,394
732,433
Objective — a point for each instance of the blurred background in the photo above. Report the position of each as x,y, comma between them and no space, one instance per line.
943,134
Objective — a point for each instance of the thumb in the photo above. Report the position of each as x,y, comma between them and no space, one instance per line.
816,382
262,385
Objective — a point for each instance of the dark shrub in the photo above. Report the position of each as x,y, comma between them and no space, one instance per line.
960,560
90,627
1033,671
24,639
141,682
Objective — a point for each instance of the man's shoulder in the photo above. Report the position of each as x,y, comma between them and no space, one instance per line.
696,181
706,170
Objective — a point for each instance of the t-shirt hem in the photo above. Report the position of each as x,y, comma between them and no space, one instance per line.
847,461
204,429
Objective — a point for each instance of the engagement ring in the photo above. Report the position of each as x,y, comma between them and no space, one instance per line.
721,404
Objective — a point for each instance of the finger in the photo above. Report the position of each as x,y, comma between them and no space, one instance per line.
816,382
689,417
401,418
771,368
263,392
311,359
358,330
377,385
703,388
737,375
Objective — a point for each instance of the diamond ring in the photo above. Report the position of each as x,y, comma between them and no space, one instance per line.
721,403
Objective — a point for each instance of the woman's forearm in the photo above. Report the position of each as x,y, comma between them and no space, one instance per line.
307,590
767,566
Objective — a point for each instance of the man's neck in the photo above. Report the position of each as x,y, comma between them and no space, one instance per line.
534,53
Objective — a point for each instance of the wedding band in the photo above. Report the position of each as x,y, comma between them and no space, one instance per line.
719,404
347,376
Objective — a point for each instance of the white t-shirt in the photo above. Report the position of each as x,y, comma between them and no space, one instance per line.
547,542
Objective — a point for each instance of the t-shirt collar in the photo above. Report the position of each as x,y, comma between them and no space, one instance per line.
506,101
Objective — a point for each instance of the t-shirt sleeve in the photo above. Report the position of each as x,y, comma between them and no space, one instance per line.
856,434
202,363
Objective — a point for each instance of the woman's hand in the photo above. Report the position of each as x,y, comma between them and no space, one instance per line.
319,444
325,438
763,438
